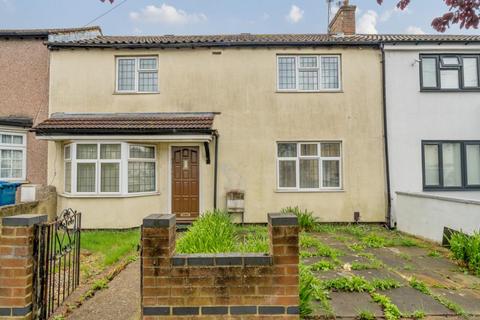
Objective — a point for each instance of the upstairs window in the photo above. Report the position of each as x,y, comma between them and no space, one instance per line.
450,72
451,165
137,75
12,156
308,73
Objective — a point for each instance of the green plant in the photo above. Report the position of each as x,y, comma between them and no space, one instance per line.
213,232
385,284
322,250
255,239
306,220
322,265
420,286
390,310
366,315
349,284
356,246
418,314
365,266
408,267
373,240
306,290
405,256
100,284
434,254
467,249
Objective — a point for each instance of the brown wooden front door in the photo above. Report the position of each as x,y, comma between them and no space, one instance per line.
185,183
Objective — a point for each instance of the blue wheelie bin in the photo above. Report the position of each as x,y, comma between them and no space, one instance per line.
8,191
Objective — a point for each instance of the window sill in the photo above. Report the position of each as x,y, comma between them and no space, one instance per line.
101,196
296,91
309,191
134,93
475,90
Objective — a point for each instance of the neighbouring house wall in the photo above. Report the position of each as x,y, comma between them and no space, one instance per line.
414,116
241,84
24,92
426,215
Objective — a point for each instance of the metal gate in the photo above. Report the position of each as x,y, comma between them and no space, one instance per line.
56,262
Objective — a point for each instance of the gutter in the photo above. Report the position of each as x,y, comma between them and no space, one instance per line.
388,217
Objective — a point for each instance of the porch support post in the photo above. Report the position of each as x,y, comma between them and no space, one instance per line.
16,265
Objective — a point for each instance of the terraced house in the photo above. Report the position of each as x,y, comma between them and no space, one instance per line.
182,124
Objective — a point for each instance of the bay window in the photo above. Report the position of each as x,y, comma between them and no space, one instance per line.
109,168
451,165
450,72
309,165
308,73
12,156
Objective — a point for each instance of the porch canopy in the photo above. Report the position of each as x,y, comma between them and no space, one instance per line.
157,126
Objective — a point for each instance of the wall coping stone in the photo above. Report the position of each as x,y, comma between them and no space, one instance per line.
16,312
220,310
222,259
158,220
24,220
282,219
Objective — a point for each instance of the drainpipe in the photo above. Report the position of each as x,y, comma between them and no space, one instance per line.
215,170
388,217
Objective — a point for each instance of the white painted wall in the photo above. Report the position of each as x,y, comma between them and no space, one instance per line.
413,116
426,215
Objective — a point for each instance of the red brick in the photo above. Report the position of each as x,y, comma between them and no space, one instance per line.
6,250
285,260
285,280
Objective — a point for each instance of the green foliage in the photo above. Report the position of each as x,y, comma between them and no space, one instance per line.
322,250
356,246
306,290
255,239
100,284
434,254
418,314
213,232
111,245
467,249
366,315
348,284
365,266
306,220
451,305
405,256
323,265
420,286
390,310
385,284
373,240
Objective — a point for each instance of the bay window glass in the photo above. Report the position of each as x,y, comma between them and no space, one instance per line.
86,177
12,156
451,165
141,169
309,165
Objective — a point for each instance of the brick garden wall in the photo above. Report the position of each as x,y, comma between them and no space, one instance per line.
219,286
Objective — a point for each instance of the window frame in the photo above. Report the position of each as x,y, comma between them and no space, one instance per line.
16,147
460,69
463,162
137,72
123,168
299,157
319,68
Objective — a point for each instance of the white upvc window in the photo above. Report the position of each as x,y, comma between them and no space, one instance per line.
105,168
13,156
137,75
308,73
309,166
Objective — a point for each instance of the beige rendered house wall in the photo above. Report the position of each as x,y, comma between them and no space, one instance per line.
241,84
24,92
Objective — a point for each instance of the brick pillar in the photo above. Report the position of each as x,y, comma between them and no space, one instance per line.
283,231
158,246
16,265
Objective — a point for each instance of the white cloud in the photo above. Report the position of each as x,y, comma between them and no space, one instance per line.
368,23
386,15
414,30
295,14
166,14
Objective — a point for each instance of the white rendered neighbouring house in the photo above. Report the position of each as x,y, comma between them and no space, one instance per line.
432,93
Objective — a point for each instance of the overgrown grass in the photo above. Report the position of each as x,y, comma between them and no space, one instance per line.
390,310
467,249
110,245
323,265
306,220
321,249
366,315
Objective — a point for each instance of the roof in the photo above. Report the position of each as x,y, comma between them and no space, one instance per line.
126,123
44,32
16,121
247,39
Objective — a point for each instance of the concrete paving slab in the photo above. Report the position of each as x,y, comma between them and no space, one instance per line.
349,305
410,300
469,300
379,274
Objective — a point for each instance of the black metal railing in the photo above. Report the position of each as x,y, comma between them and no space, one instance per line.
56,262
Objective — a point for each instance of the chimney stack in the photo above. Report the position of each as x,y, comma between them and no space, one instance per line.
344,20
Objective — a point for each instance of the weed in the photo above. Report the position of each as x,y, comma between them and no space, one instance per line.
434,254
467,249
368,255
307,254
385,284
323,265
255,240
372,240
420,286
418,314
322,250
376,264
306,290
356,246
408,267
306,220
100,284
366,315
390,310
405,256
349,284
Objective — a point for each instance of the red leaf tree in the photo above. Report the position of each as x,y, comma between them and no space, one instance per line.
463,12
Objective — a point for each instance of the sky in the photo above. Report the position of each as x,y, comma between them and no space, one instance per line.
147,17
